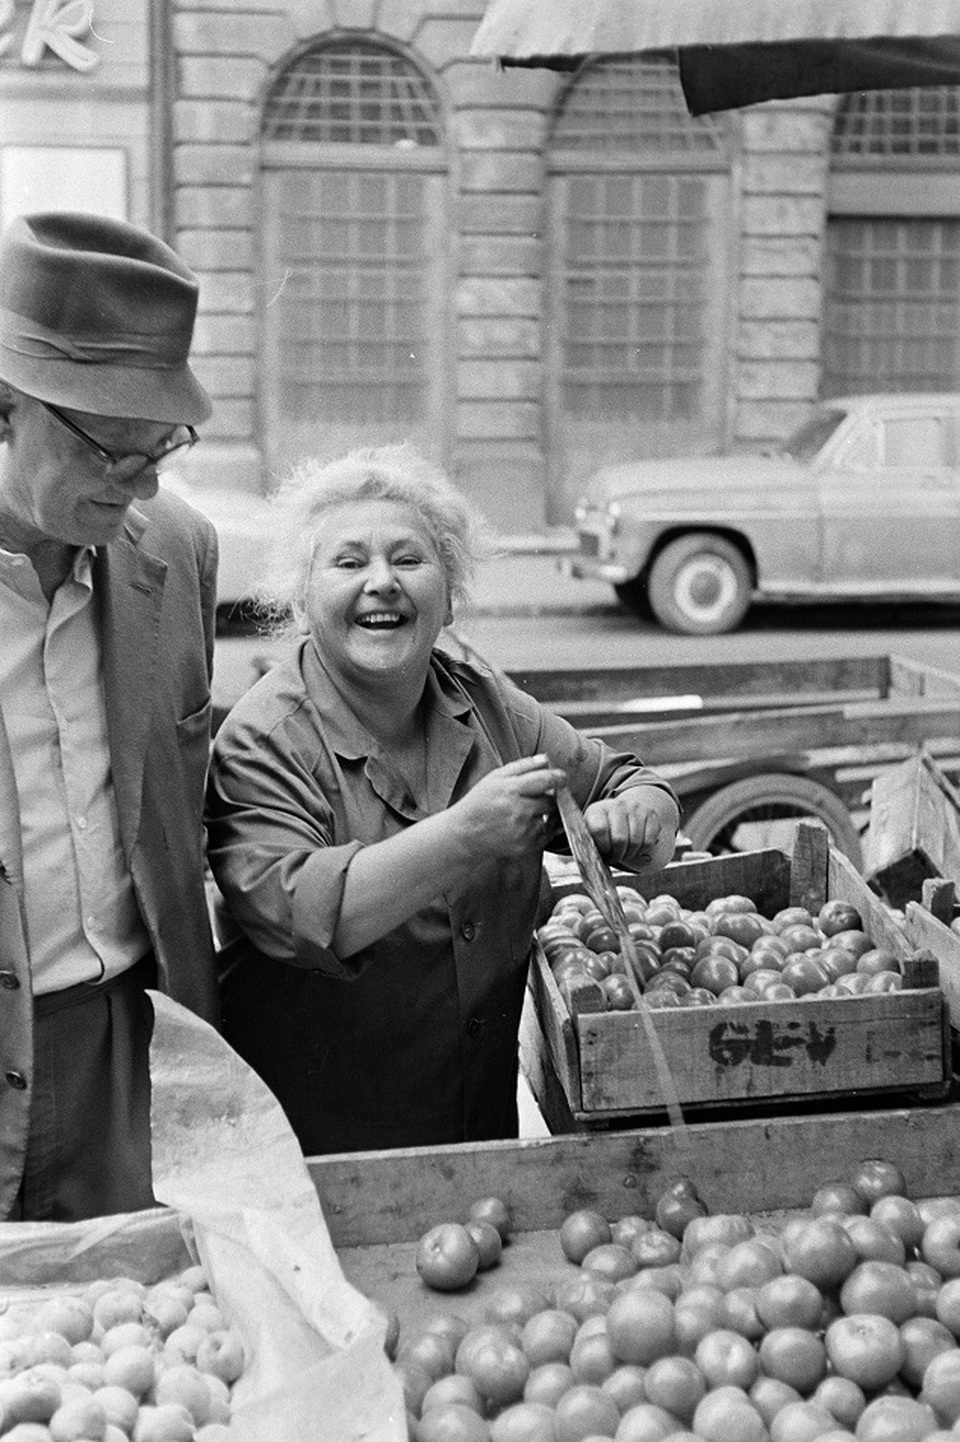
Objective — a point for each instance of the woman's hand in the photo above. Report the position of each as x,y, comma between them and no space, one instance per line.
636,829
511,810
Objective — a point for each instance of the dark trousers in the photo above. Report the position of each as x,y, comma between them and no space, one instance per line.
88,1152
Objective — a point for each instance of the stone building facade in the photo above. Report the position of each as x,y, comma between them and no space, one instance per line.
524,272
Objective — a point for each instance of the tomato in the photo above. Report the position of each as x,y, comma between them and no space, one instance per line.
591,1356
494,1362
676,1384
453,1388
879,1287
452,1422
581,1231
431,1351
941,1385
675,1210
610,1260
874,1241
901,1216
415,1383
940,1244
548,1335
640,1326
821,1250
447,1257
626,1228
923,1339
789,1301
801,1421
655,1248
697,1311
748,1264
842,1398
852,940
770,1396
489,1243
734,902
715,972
895,1419
547,1383
727,1359
515,1302
837,962
804,974
793,1355
948,1305
867,1349
617,992
626,1386
604,938
523,1422
792,916
742,927
583,1411
584,1295
739,1312
878,959
836,915
677,934
726,1414
720,946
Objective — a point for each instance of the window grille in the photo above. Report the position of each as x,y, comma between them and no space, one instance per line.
625,108
879,125
892,316
353,93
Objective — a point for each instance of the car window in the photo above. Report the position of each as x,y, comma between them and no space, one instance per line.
809,438
862,450
914,441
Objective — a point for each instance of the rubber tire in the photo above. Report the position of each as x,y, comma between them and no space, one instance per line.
633,597
807,799
680,558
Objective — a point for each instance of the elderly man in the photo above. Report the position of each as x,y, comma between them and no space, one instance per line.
107,592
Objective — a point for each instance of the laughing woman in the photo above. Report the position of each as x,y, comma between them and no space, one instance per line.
377,816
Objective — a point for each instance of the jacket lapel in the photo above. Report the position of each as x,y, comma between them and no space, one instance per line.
129,586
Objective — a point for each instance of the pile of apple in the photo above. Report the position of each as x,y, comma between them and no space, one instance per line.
119,1362
840,1325
727,952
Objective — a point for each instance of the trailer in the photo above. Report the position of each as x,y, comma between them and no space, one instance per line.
753,746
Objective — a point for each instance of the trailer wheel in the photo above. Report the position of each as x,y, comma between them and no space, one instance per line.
762,811
700,585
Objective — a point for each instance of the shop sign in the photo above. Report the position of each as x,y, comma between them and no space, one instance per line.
58,26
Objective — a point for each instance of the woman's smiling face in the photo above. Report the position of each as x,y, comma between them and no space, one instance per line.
377,594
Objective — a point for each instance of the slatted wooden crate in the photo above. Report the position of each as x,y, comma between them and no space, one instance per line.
913,831
597,1069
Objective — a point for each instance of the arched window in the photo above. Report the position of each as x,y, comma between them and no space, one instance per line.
892,282
638,192
353,221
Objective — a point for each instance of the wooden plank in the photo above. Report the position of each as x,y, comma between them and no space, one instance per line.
750,682
556,1026
774,1050
748,1166
791,729
917,678
924,930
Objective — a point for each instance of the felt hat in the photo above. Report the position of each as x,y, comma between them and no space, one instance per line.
97,315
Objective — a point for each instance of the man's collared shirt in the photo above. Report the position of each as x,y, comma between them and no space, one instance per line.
83,923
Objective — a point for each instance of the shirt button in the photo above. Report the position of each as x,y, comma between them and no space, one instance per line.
9,980
468,931
17,1080
82,823
474,1026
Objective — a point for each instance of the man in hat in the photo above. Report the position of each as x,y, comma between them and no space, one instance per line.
107,592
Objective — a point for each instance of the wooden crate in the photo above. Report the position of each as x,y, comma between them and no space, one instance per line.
597,1068
378,1204
913,831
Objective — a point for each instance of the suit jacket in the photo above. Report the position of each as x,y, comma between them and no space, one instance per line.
155,592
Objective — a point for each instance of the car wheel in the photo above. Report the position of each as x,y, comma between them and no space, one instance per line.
763,811
633,597
700,585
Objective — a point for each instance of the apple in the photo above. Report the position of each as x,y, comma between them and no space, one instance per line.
221,1353
169,1423
79,1420
131,1368
185,1385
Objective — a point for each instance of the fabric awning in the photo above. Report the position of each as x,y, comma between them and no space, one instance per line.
738,52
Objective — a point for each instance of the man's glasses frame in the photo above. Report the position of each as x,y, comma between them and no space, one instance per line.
128,464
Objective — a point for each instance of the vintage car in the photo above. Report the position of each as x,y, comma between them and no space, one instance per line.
862,503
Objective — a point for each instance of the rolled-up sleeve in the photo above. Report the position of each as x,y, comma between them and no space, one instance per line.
272,849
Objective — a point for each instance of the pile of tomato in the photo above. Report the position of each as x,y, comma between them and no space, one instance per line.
726,952
839,1325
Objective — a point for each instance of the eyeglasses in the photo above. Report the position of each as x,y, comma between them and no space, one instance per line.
128,465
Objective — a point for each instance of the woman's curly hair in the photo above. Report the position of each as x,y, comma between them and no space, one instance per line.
397,473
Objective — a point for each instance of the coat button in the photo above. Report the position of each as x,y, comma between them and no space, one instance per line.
9,980
468,931
474,1026
17,1080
